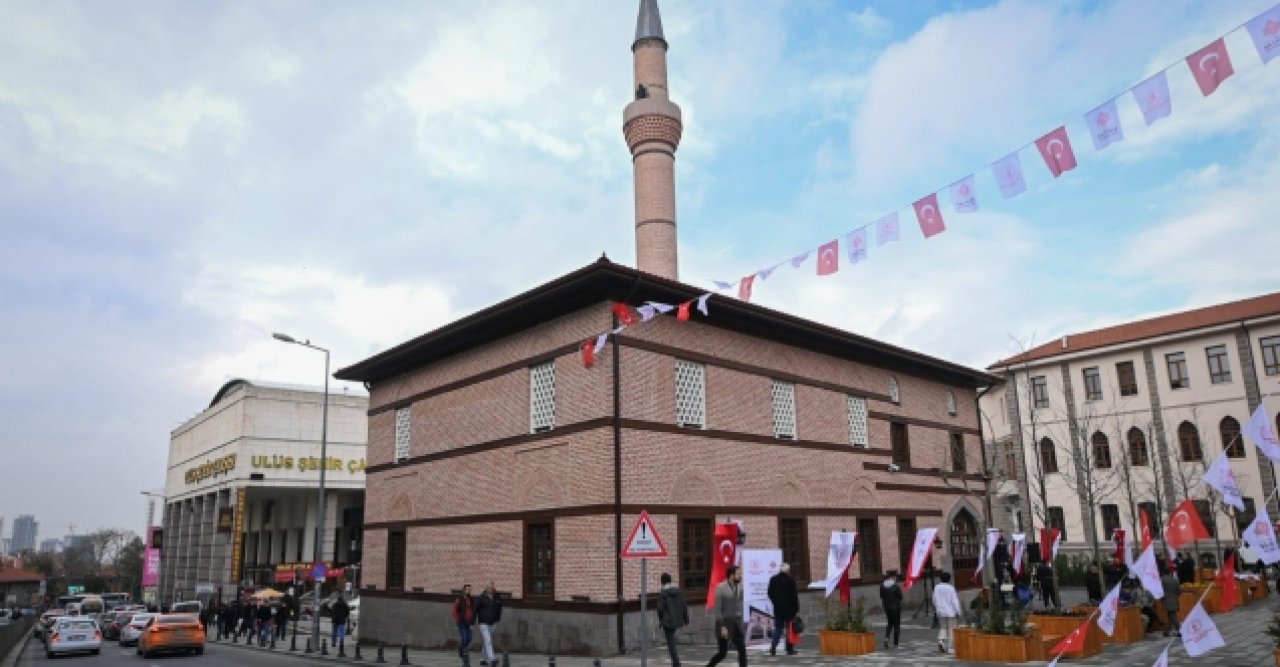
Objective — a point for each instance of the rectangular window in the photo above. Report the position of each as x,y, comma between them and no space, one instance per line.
404,443
1206,516
1177,365
1128,379
784,410
1110,520
691,394
695,554
869,548
957,453
858,421
1040,391
395,560
542,397
1092,384
1010,463
1270,354
1153,516
906,542
793,539
901,446
539,560
1055,519
1219,364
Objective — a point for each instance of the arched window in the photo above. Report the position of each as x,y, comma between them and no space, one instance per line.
1048,456
1229,431
964,545
951,403
1101,451
893,391
1189,442
1138,447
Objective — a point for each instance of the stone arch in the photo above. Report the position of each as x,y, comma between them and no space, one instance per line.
400,508
862,493
790,492
694,487
538,489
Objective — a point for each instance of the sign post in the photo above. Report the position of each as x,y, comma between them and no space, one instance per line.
644,544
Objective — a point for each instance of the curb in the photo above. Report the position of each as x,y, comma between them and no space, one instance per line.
15,653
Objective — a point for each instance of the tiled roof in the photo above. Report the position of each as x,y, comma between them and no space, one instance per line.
1187,320
11,575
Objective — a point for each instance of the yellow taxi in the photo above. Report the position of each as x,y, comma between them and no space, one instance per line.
172,633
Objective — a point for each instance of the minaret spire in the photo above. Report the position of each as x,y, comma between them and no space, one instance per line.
652,127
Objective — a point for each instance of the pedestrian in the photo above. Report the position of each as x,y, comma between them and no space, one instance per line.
1172,589
283,613
1000,558
1048,592
947,605
204,616
891,602
464,614
1186,569
264,622
247,620
488,613
673,614
786,604
1092,585
338,615
727,613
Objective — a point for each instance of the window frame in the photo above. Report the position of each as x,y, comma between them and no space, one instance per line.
1092,383
1101,445
783,394
698,402
952,409
895,392
1056,518
1219,364
402,567
1245,516
402,449
906,525
537,373
1040,392
857,415
1053,456
958,464
1232,442
1128,385
1270,349
1189,436
796,555
1205,513
1145,458
1110,524
692,552
900,438
529,558
869,549
1175,364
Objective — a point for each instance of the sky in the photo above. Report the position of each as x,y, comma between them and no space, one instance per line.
179,180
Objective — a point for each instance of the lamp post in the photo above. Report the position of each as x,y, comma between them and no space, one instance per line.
318,553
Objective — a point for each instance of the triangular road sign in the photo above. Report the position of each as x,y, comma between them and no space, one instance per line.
644,541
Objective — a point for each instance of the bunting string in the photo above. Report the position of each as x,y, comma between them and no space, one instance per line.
1210,67
643,313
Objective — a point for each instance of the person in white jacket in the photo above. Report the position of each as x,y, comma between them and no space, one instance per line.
947,604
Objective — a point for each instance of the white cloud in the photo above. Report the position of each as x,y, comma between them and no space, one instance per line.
869,22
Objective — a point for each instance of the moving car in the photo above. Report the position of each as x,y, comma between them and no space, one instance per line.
187,607
112,626
46,621
72,634
169,633
130,631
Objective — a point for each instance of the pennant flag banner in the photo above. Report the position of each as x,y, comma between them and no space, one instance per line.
1148,573
962,195
993,536
1185,526
920,552
1260,430
625,318
856,245
591,347
929,216
1055,148
887,229
1050,538
1211,66
744,288
1153,98
588,354
799,259
1223,480
724,552
839,559
1261,537
1265,33
1104,125
1019,551
829,258
1008,174
764,274
1199,634
1109,610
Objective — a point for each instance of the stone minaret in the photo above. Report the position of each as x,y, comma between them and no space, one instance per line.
652,128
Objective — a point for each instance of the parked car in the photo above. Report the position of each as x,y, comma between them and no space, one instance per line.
46,620
130,632
111,628
71,634
169,633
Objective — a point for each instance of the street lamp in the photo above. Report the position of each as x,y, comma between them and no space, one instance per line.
318,554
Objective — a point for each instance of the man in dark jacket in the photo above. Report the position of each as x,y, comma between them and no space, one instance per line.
264,623
338,615
786,604
891,601
673,614
283,615
1048,592
1000,558
1186,569
488,613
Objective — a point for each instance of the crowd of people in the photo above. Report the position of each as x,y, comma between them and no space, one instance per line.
264,620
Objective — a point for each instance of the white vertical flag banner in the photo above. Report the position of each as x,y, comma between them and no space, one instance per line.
963,197
838,557
856,245
1019,551
887,229
1223,480
1109,610
1261,537
993,536
1199,634
1263,434
1153,99
1148,573
1008,174
1104,125
1265,32
919,554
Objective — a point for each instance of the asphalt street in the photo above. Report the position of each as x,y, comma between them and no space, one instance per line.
113,655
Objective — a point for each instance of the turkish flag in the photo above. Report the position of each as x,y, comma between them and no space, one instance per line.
1055,148
829,257
844,585
1146,528
929,217
724,552
1227,582
744,287
1049,544
625,317
1073,641
1210,66
1118,536
682,313
1185,526
589,353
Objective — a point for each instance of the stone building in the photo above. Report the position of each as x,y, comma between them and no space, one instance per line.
1144,406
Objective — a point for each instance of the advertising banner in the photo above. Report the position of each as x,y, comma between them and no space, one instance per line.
237,535
758,566
151,568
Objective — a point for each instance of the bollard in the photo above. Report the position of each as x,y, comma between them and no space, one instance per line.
506,660
466,659
293,643
324,647
380,659
357,656
235,638
342,648
404,654
273,641
308,646
595,663
551,661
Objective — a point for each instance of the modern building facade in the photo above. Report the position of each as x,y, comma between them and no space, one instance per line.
50,546
25,531
241,486
1135,412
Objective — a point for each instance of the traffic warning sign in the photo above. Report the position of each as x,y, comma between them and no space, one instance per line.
644,541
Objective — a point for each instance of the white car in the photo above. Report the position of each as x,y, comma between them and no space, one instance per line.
129,634
73,634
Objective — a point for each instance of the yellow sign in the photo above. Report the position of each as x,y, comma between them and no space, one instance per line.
219,466
305,463
237,540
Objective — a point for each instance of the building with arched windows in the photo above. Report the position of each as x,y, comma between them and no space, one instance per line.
1094,427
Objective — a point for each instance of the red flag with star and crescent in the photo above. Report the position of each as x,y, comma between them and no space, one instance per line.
1185,526
724,552
929,217
1055,148
829,257
1146,528
1211,66
1073,641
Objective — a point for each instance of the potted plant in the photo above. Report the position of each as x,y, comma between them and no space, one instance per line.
999,635
845,632
1274,631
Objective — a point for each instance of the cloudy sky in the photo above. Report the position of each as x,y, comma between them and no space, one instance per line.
178,180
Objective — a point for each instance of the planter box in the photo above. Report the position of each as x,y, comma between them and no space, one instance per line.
1065,625
1188,600
1129,626
839,642
1257,589
981,647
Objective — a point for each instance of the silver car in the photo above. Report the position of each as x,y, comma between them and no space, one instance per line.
129,633
73,634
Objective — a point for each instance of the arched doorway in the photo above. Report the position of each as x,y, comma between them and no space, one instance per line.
964,548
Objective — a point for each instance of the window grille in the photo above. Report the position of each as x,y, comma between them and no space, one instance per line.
403,441
691,394
951,403
784,410
542,397
858,421
894,394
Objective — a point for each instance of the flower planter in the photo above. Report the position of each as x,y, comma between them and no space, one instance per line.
1278,657
1257,589
1065,625
1129,626
840,642
982,647
1192,593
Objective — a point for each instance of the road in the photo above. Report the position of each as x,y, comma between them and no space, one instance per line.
112,655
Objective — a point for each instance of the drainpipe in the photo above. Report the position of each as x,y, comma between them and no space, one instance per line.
617,486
